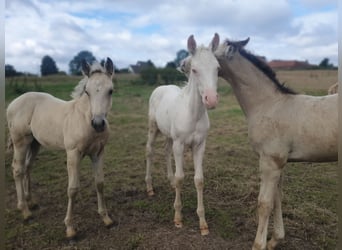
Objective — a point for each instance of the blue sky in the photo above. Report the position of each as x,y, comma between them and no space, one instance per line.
128,31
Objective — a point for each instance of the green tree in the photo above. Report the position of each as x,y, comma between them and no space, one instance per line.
48,66
324,64
75,65
181,54
10,70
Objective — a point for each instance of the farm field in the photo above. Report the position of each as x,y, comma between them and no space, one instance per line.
230,176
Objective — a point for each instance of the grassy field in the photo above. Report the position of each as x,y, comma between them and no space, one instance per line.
231,183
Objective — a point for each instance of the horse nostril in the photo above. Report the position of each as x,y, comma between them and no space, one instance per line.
98,125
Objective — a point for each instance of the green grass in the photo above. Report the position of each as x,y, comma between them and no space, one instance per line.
230,193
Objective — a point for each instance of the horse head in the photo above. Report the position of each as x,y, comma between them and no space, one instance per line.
99,89
202,67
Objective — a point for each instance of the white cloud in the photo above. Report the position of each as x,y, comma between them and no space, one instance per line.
128,31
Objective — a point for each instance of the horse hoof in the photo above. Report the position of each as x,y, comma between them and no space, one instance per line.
27,215
70,234
204,231
150,193
108,221
178,224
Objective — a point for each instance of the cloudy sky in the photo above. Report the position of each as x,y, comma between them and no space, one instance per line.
132,30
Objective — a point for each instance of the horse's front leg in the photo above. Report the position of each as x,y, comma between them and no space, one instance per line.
278,227
99,184
270,169
178,151
73,161
198,152
152,134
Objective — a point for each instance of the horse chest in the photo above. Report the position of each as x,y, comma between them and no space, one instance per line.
191,132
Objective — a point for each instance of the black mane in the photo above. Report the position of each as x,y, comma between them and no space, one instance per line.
267,70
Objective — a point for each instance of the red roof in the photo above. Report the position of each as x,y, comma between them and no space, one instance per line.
289,64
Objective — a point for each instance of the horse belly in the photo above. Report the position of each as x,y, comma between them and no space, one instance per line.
47,127
317,151
162,105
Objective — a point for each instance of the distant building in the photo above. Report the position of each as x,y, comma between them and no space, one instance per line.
138,67
289,64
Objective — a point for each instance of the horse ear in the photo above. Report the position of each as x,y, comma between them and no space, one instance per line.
85,67
241,44
192,45
109,66
215,42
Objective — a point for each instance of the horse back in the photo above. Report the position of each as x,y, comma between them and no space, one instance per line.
35,111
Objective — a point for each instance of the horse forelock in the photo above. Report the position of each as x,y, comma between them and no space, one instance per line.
201,55
96,68
80,87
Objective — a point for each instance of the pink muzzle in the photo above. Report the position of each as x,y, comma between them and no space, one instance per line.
210,98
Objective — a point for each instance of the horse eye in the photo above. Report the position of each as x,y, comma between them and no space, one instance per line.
110,92
194,70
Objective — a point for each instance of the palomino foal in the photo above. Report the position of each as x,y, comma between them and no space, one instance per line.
181,115
78,126
282,127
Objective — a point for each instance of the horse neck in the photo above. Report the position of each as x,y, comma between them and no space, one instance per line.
194,99
82,105
252,88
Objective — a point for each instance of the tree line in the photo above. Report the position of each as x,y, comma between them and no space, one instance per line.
49,67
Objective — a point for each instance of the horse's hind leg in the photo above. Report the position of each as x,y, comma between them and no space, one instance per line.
30,157
152,134
18,167
168,156
99,180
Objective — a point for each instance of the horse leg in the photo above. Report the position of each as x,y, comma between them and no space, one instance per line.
99,180
270,175
73,162
278,231
168,156
30,157
198,152
178,151
18,169
152,134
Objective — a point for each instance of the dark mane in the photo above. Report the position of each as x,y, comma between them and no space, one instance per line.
267,70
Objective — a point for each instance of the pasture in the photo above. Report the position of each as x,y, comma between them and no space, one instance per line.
231,182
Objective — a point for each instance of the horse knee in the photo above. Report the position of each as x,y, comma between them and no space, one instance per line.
72,191
99,187
265,207
199,183
17,172
179,180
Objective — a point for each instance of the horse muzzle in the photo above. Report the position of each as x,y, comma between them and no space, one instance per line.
210,98
99,124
